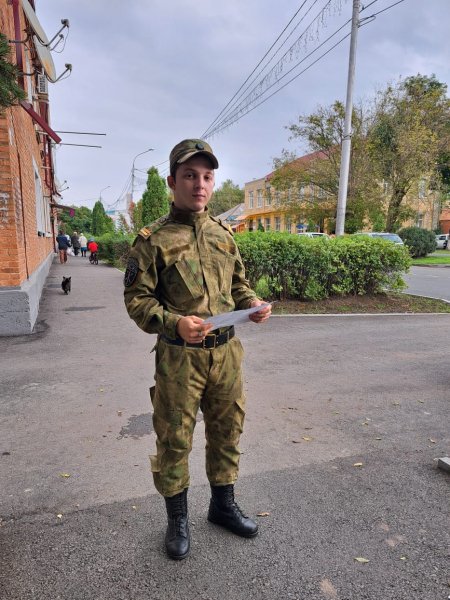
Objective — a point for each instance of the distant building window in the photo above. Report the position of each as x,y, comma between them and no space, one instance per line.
268,196
260,223
267,224
250,199
419,220
277,196
250,225
277,223
288,224
259,198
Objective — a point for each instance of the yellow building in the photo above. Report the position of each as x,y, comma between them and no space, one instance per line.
277,210
266,206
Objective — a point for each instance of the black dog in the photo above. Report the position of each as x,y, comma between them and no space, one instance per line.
65,285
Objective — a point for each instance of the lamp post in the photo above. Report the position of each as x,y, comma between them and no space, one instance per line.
132,171
102,190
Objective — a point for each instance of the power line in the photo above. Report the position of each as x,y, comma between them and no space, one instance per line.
234,116
229,102
278,65
224,124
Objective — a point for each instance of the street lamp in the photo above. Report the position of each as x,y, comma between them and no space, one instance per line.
102,190
132,170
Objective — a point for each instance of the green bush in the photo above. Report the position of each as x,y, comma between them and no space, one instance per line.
114,248
420,242
287,266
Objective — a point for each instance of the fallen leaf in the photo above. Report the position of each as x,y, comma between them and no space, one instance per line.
357,464
119,413
59,516
365,423
360,559
402,557
307,427
396,404
296,441
432,441
421,401
134,507
102,390
65,475
378,438
263,514
307,438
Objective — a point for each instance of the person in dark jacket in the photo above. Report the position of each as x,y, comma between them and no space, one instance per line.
63,243
75,243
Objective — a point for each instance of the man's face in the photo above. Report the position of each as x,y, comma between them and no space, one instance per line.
194,184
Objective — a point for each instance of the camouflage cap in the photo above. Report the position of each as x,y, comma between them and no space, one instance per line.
189,148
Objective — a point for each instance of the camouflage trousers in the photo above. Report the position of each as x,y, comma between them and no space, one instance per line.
188,379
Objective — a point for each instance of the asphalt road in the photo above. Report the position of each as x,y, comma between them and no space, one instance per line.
346,417
433,282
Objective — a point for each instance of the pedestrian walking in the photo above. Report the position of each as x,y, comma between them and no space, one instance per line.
75,241
63,242
83,244
182,269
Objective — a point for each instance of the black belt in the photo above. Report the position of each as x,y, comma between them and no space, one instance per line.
212,340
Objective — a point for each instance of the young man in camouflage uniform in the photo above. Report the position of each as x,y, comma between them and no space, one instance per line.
182,269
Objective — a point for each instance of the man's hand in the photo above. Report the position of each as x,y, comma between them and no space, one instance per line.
263,314
192,329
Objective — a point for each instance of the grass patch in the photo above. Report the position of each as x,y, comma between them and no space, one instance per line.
379,303
436,258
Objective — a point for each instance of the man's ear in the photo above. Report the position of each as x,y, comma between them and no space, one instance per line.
171,182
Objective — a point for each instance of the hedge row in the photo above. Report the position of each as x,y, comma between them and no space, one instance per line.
114,248
284,266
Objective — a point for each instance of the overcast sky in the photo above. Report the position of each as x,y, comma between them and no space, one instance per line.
149,73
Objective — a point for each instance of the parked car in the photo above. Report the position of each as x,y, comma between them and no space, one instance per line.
314,234
442,241
390,237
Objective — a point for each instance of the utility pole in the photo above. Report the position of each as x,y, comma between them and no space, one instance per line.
347,139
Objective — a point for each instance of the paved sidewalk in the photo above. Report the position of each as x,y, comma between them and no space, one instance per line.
80,517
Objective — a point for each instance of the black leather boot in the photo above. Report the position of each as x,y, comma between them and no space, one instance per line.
224,511
177,536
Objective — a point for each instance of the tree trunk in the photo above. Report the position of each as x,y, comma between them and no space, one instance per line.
394,209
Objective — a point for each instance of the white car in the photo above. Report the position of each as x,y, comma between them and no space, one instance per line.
442,241
390,237
314,234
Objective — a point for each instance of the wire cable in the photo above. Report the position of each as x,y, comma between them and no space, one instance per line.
271,47
234,116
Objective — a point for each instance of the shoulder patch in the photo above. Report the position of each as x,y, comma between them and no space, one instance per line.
131,272
147,231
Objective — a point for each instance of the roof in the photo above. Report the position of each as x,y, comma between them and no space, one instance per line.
233,213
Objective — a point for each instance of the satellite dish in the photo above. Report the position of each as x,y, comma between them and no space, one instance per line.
34,22
46,59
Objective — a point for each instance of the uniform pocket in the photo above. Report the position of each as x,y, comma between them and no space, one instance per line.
192,276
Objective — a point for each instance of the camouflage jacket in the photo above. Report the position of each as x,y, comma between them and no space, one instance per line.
184,264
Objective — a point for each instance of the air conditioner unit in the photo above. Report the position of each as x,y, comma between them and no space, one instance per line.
42,85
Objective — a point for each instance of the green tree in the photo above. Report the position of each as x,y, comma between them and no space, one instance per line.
309,185
10,91
410,132
79,220
101,223
154,200
227,196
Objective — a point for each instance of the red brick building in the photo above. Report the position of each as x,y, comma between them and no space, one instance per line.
27,186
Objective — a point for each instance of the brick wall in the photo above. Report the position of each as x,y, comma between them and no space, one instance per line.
22,250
